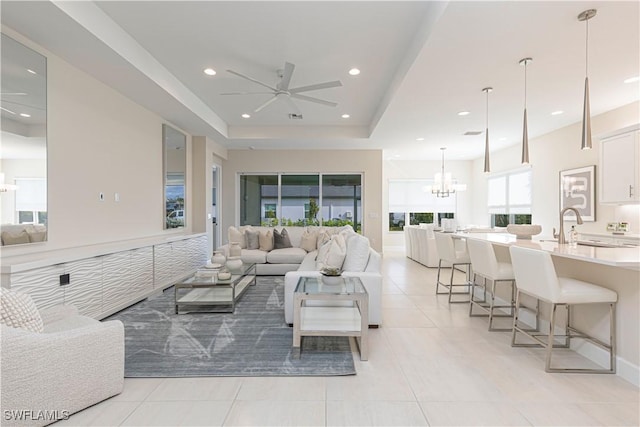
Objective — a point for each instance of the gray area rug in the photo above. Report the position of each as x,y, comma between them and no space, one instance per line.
254,341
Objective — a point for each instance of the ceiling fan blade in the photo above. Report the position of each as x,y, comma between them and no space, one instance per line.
286,76
327,85
292,106
252,80
247,93
312,99
265,104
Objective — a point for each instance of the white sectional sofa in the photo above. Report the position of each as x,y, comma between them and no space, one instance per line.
420,244
360,260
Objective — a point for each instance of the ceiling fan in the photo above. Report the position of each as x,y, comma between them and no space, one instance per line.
282,92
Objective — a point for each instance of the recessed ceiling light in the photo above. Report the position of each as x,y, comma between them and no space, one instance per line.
396,155
31,71
557,113
463,113
420,139
246,116
632,79
354,71
25,115
210,71
503,139
345,116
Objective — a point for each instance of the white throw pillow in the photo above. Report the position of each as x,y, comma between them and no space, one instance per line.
309,241
19,311
237,236
266,241
323,237
357,255
334,256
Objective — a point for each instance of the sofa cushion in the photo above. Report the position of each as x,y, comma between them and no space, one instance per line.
281,239
266,240
69,323
251,256
309,241
37,236
19,311
237,236
16,238
357,254
286,256
253,238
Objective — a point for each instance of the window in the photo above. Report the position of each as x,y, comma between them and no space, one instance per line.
410,202
301,199
31,200
509,198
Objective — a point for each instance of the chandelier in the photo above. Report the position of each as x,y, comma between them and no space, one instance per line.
443,185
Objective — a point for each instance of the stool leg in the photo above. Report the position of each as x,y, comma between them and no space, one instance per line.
471,301
438,278
453,268
552,324
515,319
612,337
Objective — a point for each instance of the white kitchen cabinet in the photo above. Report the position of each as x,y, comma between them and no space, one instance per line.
620,168
42,284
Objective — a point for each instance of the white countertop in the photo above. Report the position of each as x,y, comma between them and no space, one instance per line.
628,258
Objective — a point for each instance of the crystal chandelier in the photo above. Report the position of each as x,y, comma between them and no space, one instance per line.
443,185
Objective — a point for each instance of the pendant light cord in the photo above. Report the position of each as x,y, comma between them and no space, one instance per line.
487,112
525,84
586,56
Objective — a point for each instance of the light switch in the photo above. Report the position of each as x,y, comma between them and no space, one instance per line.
116,197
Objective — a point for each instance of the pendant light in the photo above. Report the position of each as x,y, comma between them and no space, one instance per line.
443,185
586,112
525,131
487,167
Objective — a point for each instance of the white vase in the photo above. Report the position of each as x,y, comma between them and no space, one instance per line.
218,258
234,264
234,249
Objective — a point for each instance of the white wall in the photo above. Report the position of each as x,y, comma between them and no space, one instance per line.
368,162
425,169
551,153
99,141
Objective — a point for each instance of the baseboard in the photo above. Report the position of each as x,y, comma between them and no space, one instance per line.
624,369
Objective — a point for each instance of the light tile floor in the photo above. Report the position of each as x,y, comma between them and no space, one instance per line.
430,364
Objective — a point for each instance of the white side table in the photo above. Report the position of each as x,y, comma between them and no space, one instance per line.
331,316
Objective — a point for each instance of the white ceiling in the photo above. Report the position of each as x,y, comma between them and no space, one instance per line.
421,62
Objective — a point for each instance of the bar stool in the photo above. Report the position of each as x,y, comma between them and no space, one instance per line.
448,254
536,276
485,264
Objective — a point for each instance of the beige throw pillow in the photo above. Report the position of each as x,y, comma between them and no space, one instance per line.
19,311
266,241
323,237
237,236
309,241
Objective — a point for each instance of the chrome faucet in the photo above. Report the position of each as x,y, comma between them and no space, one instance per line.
561,238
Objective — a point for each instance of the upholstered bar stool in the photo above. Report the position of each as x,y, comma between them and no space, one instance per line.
448,254
536,276
485,264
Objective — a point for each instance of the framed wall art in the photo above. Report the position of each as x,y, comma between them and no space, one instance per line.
577,190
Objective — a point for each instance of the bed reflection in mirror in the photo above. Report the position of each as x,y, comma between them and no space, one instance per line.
23,147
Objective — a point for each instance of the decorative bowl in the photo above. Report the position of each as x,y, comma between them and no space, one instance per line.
331,271
224,275
524,231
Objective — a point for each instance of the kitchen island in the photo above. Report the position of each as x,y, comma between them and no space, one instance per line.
613,268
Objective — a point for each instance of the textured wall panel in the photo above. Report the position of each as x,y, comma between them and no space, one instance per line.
141,271
85,288
42,284
163,265
116,280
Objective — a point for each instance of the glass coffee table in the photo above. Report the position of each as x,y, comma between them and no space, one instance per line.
351,320
204,292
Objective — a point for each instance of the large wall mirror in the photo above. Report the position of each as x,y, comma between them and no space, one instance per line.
23,150
175,171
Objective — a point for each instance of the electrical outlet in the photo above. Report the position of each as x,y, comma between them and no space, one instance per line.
65,279
101,197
